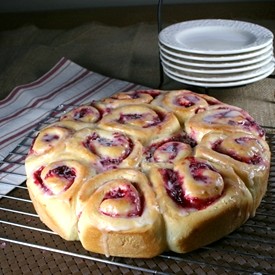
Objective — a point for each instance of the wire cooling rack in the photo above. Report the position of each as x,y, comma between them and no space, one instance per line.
28,247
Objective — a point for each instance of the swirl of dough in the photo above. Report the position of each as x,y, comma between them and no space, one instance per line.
55,142
50,138
247,154
197,196
167,151
183,103
171,151
105,149
222,118
53,190
142,121
128,98
193,183
58,177
117,218
84,113
202,182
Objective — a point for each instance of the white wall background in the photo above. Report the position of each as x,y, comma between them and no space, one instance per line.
46,5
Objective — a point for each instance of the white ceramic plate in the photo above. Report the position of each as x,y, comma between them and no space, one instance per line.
228,70
215,36
212,64
219,78
216,58
219,84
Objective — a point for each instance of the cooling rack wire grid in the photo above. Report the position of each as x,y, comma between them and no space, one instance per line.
28,247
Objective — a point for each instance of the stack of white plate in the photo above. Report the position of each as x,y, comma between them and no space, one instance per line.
216,53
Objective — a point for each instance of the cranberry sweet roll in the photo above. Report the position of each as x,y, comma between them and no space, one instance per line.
183,103
142,121
106,150
53,190
167,151
119,216
200,203
224,119
248,155
84,113
132,97
50,138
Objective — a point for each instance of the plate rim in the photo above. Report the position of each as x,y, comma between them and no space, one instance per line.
212,64
221,84
244,76
219,58
219,70
262,34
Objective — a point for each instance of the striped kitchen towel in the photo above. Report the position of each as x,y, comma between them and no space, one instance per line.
26,105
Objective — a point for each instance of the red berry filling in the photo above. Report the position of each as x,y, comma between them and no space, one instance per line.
124,118
197,168
174,185
172,148
247,122
82,112
127,193
186,100
137,94
153,121
182,138
63,172
117,140
50,137
254,160
38,181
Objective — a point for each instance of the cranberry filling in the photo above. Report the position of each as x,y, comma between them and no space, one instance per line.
124,118
126,192
62,171
174,186
50,137
183,138
248,124
118,140
31,151
82,112
110,163
197,168
38,181
186,100
254,160
128,117
172,148
154,122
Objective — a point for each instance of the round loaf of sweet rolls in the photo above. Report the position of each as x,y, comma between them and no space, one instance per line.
146,171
